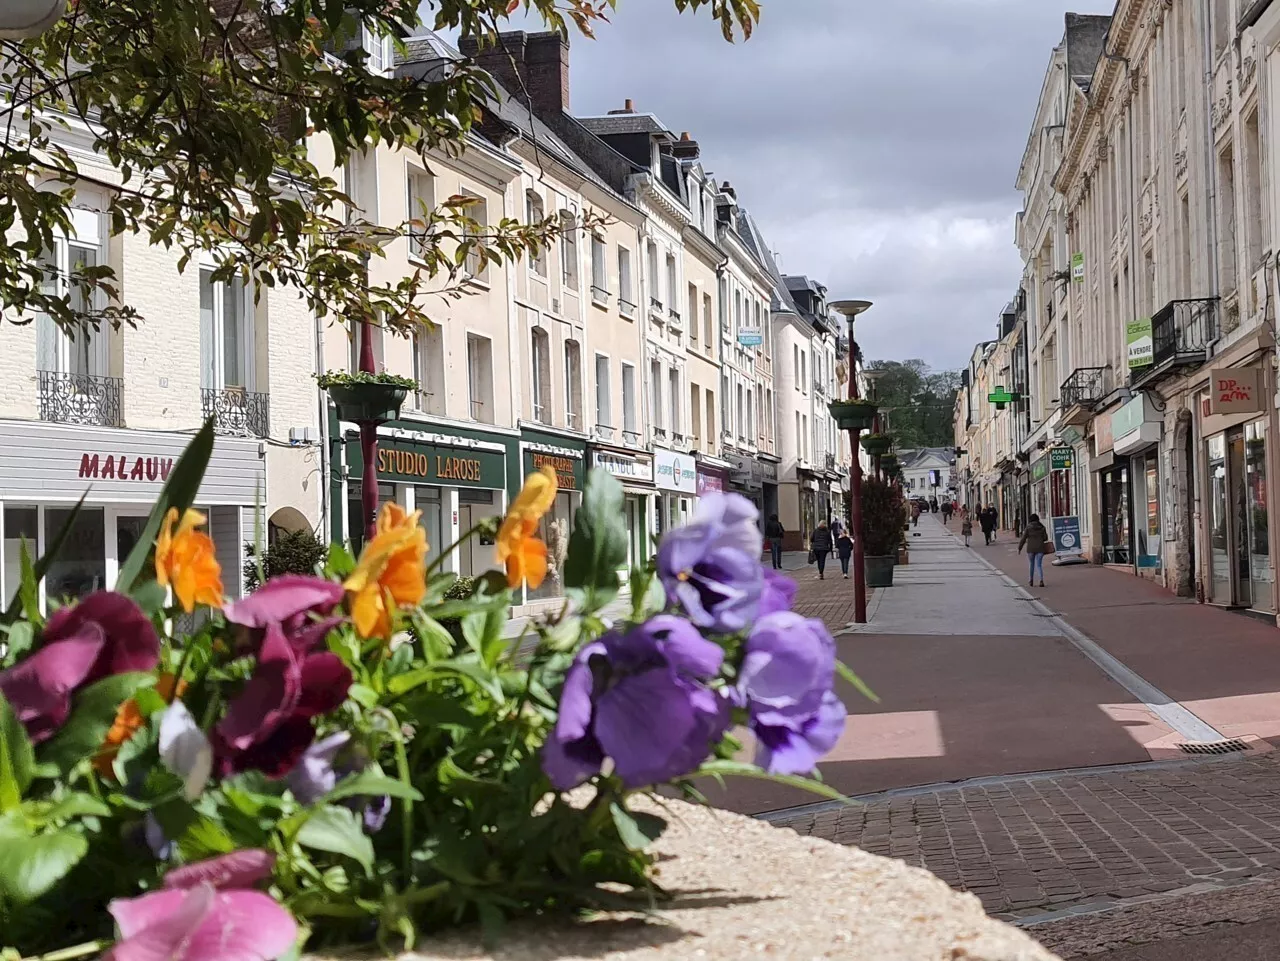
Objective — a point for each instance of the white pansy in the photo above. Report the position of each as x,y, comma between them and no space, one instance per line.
185,750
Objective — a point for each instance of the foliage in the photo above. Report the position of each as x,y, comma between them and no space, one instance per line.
853,403
882,515
916,402
386,785
294,552
215,116
341,378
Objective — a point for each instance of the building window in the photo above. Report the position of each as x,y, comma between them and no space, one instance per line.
82,353
799,439
742,415
226,334
1227,221
711,421
573,384
760,417
751,417
477,212
480,378
795,364
569,249
629,415
626,290
655,397
737,315
604,416
672,297
599,270
535,213
655,298
695,415
428,369
673,379
540,358
770,415
421,187
708,333
693,313
379,50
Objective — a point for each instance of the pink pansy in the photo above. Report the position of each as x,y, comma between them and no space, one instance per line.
284,598
268,725
104,634
205,914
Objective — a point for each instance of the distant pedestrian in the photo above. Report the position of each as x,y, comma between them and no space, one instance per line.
987,518
820,544
946,512
933,505
915,513
1036,540
844,549
966,527
835,527
774,531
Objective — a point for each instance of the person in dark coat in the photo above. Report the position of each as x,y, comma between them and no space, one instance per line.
987,518
820,544
774,531
946,512
1036,540
844,549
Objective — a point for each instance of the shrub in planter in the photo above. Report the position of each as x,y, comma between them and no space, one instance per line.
324,762
364,397
877,445
882,508
853,414
296,552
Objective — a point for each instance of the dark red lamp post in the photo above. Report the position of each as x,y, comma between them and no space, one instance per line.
851,309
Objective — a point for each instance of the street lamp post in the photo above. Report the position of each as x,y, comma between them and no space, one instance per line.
851,309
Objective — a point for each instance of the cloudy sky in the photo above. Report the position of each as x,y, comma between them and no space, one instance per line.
875,141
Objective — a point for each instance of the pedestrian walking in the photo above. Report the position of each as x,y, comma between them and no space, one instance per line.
844,550
966,528
820,545
933,505
987,519
915,513
1036,540
946,512
774,531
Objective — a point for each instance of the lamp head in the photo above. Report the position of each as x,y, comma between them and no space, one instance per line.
850,308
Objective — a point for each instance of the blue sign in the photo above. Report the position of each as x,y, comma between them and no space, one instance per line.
1066,535
750,336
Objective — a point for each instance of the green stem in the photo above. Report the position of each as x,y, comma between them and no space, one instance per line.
66,954
402,768
431,568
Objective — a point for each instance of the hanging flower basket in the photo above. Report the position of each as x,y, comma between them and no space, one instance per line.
366,397
888,462
877,445
855,415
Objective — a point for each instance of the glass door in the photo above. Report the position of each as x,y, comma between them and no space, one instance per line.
1117,531
1237,530
1219,541
1255,466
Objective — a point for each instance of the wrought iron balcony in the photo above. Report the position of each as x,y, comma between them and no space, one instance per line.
236,411
80,399
1085,386
819,387
830,461
1181,332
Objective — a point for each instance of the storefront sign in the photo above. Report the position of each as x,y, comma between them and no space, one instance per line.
710,482
626,467
1129,417
566,468
1066,536
1077,268
1135,426
1103,439
125,468
1040,469
1137,335
1234,390
768,471
567,457
1061,458
675,472
750,336
410,462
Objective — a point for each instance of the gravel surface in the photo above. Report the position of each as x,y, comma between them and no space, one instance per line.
745,889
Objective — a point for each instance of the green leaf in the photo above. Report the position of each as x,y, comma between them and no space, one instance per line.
19,640
598,545
27,598
75,804
91,718
337,830
363,695
179,492
150,596
16,758
720,767
856,682
637,829
370,783
403,683
30,866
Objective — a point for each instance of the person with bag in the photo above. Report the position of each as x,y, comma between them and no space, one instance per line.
819,548
844,549
1036,540
774,531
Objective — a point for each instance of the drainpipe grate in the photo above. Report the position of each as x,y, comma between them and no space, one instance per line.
1229,746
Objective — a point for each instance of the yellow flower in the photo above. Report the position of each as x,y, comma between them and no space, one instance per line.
392,565
524,556
185,559
128,720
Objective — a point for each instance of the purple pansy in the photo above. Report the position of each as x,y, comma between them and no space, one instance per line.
711,567
302,605
637,698
777,594
324,764
785,683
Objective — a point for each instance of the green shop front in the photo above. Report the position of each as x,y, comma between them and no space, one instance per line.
455,477
566,454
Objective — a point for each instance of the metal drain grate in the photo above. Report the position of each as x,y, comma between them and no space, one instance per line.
1229,746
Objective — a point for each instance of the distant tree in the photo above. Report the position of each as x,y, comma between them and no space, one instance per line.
916,402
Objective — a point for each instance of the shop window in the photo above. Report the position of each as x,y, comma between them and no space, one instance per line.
1260,570
81,565
429,501
20,524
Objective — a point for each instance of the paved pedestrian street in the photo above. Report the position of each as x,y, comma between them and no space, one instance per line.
1030,746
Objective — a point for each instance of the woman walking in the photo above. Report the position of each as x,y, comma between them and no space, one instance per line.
987,518
844,548
774,531
1036,540
820,544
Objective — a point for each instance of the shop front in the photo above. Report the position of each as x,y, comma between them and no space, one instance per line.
711,480
1134,493
1234,425
767,470
46,468
747,478
634,470
567,456
676,477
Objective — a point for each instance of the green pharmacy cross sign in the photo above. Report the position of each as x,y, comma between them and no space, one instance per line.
1000,397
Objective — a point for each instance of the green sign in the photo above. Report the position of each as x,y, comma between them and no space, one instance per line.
1129,418
1137,335
411,462
1077,268
1040,469
566,456
1060,458
1000,397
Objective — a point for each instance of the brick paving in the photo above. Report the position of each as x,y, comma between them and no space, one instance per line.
830,600
1041,843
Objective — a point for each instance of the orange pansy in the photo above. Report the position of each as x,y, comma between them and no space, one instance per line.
392,566
128,720
523,554
186,561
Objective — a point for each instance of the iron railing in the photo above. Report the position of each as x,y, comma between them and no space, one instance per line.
1181,332
819,386
831,461
235,411
80,399
1086,385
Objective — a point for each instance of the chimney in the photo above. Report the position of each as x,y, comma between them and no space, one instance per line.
686,148
727,188
531,67
629,106
503,60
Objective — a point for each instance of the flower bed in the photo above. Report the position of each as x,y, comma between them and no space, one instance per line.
358,755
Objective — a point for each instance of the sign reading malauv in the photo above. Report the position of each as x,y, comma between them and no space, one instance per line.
1137,335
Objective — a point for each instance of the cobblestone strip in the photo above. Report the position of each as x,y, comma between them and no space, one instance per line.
1031,844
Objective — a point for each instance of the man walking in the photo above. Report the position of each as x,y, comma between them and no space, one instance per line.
820,545
774,531
987,518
